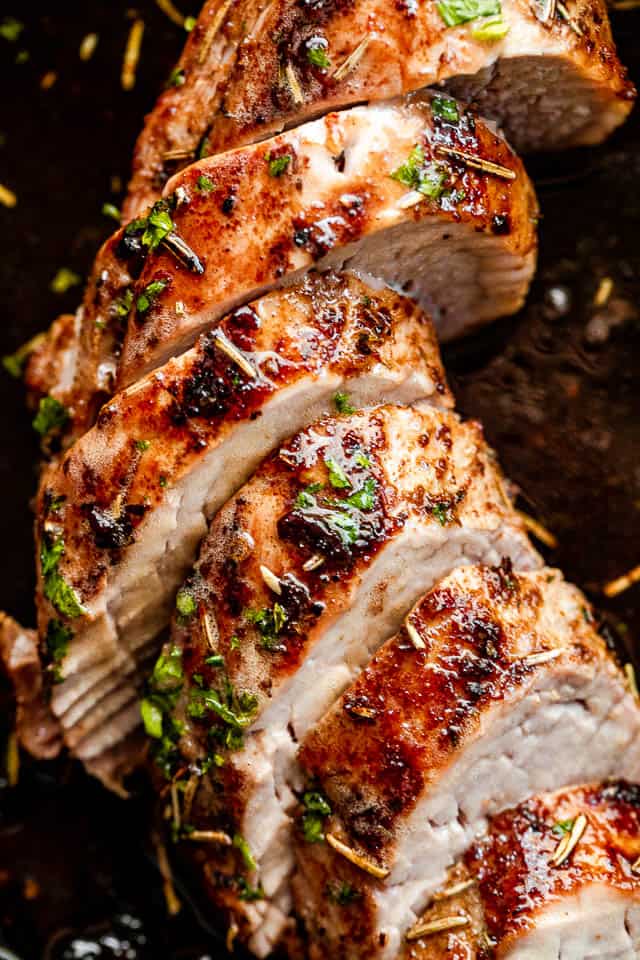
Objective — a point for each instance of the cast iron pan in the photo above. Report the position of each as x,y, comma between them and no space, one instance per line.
556,389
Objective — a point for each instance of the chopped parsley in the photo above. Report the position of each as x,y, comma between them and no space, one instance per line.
234,643
163,689
64,280
142,445
245,852
278,165
153,228
307,497
343,404
441,512
343,893
57,641
151,718
248,893
150,294
51,416
427,178
124,303
205,184
235,710
317,53
10,29
364,498
455,12
215,660
270,623
176,77
189,23
316,809
186,604
562,827
110,210
337,477
15,363
55,588
490,30
445,109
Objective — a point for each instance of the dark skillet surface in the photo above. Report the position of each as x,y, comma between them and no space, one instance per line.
554,388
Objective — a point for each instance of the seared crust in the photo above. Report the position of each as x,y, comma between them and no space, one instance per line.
400,728
421,471
177,125
407,47
517,878
106,499
246,72
252,229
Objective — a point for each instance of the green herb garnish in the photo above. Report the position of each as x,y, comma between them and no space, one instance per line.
317,53
10,29
189,23
364,498
562,827
270,623
316,809
186,604
490,30
57,641
343,893
241,844
151,718
247,893
176,78
343,404
150,294
55,588
64,280
455,12
337,477
445,109
278,165
110,210
51,416
427,178
156,226
205,184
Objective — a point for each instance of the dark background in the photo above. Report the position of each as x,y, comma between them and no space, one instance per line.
556,389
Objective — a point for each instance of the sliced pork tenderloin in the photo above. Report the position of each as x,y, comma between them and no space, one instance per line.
498,687
554,879
303,574
438,207
37,728
551,79
120,517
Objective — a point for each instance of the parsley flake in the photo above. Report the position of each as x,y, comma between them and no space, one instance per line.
51,416
150,294
343,404
278,165
445,109
337,477
317,53
455,12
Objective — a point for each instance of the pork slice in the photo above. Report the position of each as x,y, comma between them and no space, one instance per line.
120,516
37,728
303,574
341,192
549,75
511,899
177,125
497,688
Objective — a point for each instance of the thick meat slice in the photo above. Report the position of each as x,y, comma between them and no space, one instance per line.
552,80
37,728
391,191
524,897
498,687
122,513
176,126
302,576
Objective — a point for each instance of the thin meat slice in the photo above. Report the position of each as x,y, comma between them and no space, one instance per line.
554,879
120,516
303,574
548,74
498,687
438,207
